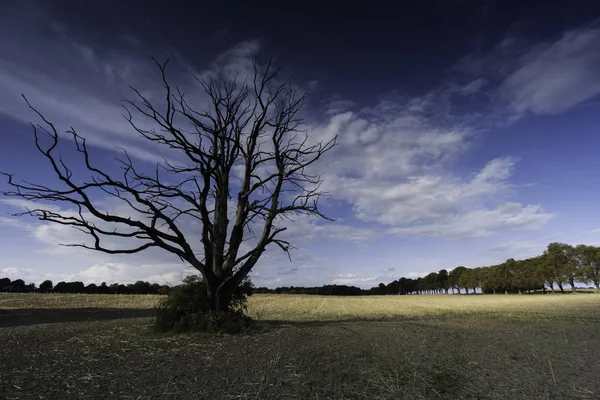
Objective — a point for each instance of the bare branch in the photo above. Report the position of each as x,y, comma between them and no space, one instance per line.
247,145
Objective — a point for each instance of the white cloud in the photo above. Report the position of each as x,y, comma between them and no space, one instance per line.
336,105
373,280
438,205
473,87
555,76
518,249
352,279
104,272
480,223
236,62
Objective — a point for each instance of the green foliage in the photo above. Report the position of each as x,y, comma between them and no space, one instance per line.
442,280
187,309
454,277
589,264
469,280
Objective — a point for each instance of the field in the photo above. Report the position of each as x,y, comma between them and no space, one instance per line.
307,347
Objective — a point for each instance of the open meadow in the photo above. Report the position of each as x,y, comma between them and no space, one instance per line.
306,347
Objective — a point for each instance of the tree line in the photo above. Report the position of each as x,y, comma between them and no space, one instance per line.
560,265
139,287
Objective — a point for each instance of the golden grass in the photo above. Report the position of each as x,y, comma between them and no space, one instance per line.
60,300
329,308
332,308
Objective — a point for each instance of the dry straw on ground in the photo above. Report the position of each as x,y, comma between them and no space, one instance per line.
388,347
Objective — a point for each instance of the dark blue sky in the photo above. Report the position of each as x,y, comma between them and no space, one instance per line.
358,52
468,129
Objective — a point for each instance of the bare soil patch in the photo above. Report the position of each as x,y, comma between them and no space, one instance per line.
413,359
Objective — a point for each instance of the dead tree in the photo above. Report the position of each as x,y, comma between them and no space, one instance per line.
246,144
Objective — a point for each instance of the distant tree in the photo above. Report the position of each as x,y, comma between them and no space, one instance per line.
506,272
114,288
557,257
18,285
469,280
406,286
4,283
430,282
442,280
141,287
454,277
69,287
528,273
123,289
61,287
392,288
92,288
103,289
165,290
589,264
571,268
77,287
419,285
486,279
544,271
46,286
154,288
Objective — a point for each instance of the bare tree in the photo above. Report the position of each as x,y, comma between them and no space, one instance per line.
250,135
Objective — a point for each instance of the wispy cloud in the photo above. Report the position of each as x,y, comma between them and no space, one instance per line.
525,77
352,279
555,76
519,248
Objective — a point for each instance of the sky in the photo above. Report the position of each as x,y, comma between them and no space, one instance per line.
468,131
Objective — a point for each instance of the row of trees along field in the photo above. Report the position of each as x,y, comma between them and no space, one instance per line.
140,287
559,266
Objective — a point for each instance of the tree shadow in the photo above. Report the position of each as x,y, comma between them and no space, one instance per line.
32,316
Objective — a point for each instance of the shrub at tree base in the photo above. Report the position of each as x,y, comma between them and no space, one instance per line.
187,309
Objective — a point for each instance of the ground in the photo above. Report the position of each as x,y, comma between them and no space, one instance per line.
308,347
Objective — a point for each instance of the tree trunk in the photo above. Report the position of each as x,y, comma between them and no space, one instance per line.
560,286
572,282
219,296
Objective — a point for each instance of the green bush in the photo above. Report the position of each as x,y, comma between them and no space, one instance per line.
187,309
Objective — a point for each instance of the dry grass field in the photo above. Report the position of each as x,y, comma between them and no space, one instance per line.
307,347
